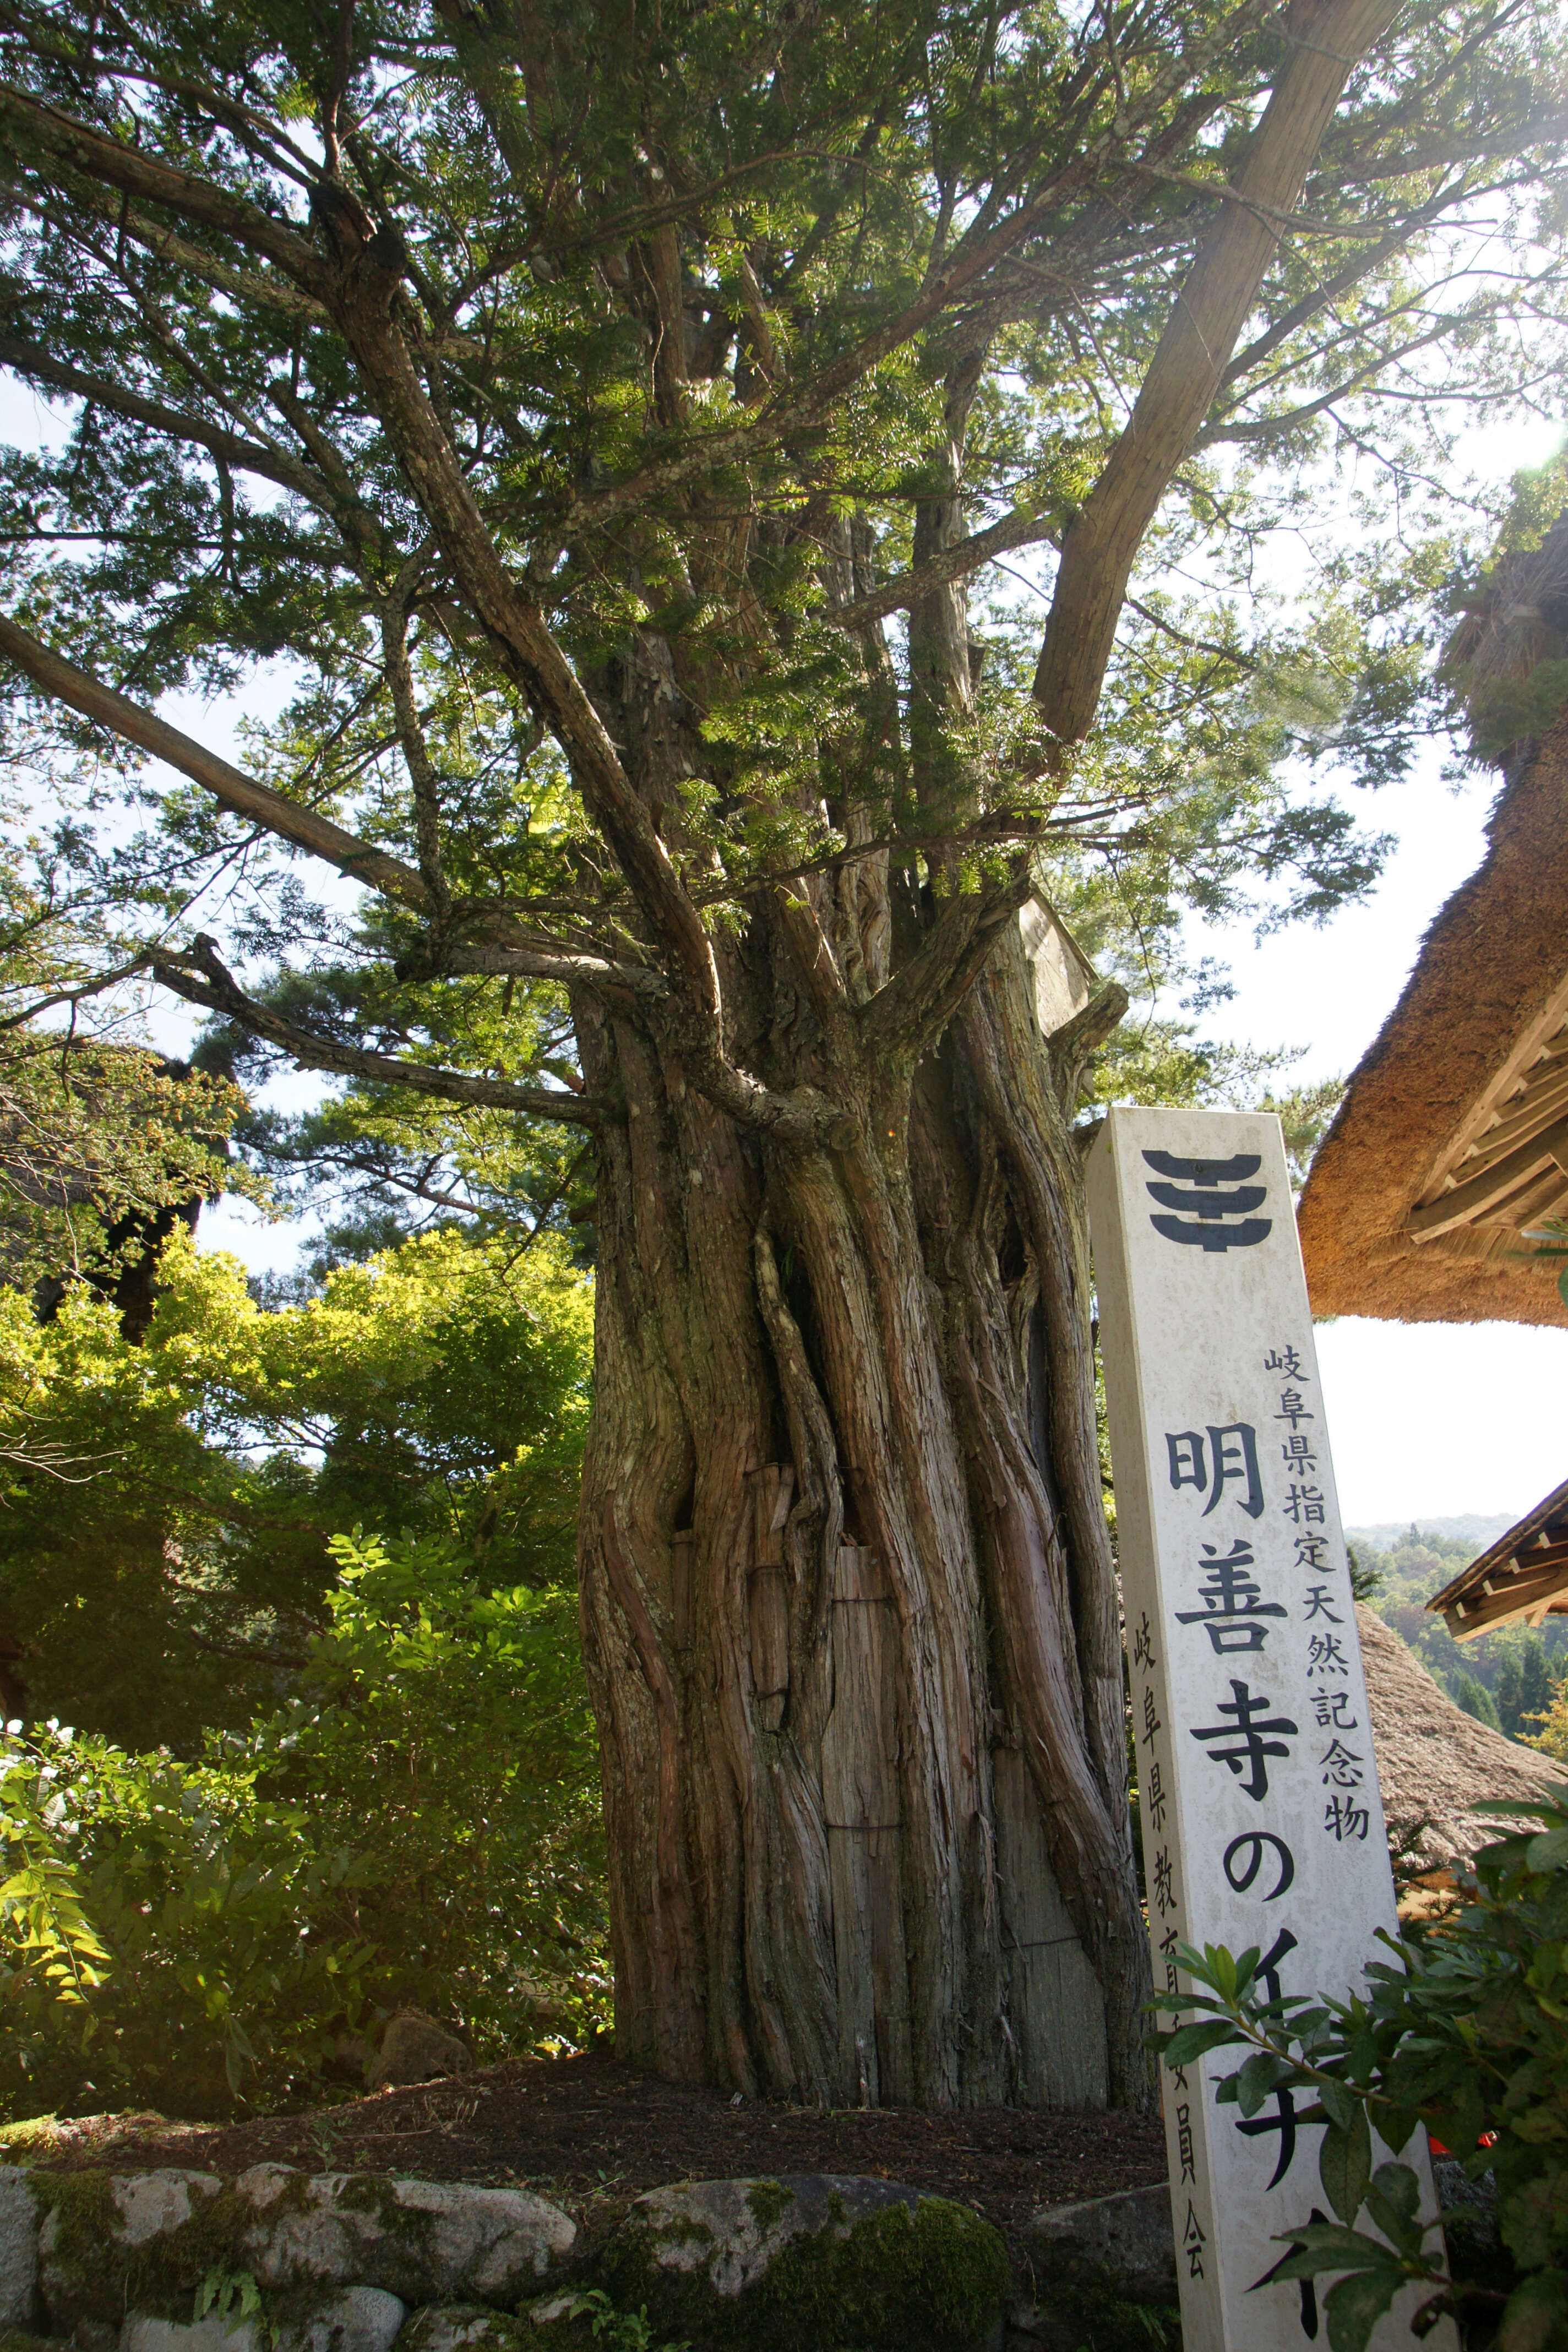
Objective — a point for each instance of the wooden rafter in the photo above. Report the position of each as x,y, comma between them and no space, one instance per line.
1523,1575
1515,1169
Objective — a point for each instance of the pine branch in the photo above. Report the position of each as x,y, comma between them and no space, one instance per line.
63,681
201,978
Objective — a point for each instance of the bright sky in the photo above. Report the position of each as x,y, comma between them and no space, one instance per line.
1427,1419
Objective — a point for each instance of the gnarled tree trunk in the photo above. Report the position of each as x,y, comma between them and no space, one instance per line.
848,1602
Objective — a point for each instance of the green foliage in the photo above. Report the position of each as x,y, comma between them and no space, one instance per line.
1365,1579
1475,1699
1551,1238
236,2297
866,218
1524,1688
441,1387
101,1135
1464,2029
930,2278
1510,711
49,1951
1306,1113
418,1824
617,2331
380,1161
1516,1667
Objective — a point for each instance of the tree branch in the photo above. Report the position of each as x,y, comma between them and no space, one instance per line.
361,299
1099,549
202,979
62,681
566,970
1329,290
249,457
973,257
907,1017
416,749
1264,428
1022,527
1071,1044
139,175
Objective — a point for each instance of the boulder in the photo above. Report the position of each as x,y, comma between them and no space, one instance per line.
98,2227
145,2333
415,2049
19,2252
1125,2242
353,2319
808,2263
464,2327
1104,2273
148,2240
426,2241
155,2204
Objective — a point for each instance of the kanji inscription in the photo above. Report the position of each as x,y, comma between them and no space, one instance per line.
1261,1821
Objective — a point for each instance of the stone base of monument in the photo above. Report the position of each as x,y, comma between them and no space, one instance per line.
283,2261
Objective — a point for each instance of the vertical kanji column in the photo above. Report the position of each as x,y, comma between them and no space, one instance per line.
1261,1819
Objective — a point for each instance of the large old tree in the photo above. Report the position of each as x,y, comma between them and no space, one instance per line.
598,416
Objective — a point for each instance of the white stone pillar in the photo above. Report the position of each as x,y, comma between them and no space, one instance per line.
1261,1819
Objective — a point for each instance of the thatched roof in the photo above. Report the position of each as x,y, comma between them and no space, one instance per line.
1452,1139
1433,1761
1515,624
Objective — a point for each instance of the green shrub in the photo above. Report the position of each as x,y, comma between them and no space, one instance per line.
169,1586
420,1825
1465,2029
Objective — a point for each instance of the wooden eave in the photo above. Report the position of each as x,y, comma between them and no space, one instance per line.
1524,1575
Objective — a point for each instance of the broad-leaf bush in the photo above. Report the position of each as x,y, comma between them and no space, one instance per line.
1464,2027
420,1824
441,1387
50,1955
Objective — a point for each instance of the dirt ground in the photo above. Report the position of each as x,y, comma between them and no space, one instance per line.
592,2136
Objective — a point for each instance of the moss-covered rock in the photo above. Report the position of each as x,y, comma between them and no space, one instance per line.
349,2320
809,2263
108,2240
147,2241
466,2328
426,2241
19,2222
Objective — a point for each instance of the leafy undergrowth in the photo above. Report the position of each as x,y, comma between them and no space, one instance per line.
1464,2027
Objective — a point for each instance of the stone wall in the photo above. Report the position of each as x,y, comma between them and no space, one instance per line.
283,2261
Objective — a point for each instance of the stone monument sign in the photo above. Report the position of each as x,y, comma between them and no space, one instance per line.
1258,1799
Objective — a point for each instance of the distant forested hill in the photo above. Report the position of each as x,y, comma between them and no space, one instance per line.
1504,1678
1473,1529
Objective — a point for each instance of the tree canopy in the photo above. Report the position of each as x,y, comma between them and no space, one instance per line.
304,1736
452,356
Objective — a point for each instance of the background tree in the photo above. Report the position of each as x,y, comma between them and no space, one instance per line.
176,1585
574,395
418,1820
104,1144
